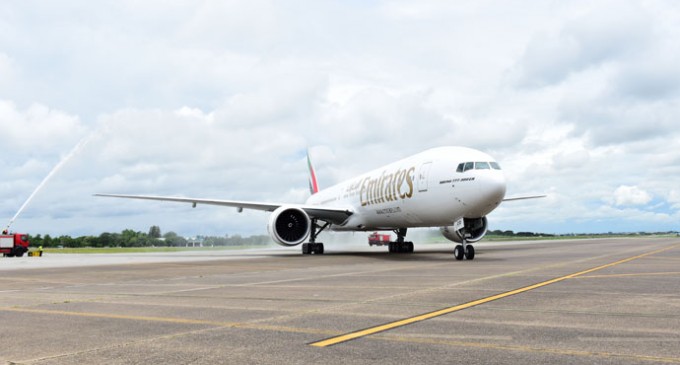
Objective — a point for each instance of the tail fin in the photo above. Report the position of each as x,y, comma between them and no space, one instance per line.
313,184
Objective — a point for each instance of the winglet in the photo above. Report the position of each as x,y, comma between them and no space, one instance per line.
313,184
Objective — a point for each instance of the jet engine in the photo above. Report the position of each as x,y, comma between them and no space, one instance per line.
289,226
475,229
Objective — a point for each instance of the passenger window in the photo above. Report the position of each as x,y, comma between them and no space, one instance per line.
482,166
495,165
460,167
469,166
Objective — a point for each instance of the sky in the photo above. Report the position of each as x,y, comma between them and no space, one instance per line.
221,99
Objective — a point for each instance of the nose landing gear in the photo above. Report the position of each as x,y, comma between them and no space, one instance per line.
464,250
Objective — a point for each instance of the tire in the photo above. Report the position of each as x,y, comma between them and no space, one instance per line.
410,247
319,249
458,252
305,249
470,252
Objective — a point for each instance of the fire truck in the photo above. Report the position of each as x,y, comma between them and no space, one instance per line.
378,239
14,244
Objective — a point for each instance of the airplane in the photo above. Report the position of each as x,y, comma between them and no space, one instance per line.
450,187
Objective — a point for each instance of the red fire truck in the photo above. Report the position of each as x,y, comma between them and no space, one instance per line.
14,244
378,239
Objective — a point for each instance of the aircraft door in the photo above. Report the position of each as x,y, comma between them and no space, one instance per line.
423,175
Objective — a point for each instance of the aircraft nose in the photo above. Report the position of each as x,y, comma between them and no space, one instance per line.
491,192
495,186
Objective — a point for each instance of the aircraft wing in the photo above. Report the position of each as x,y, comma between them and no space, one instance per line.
524,197
330,214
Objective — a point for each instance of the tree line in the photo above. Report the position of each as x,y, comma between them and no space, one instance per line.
518,234
153,238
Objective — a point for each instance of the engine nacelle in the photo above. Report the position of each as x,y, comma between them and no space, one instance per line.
289,226
474,227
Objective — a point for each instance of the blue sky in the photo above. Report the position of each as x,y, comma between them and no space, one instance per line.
579,100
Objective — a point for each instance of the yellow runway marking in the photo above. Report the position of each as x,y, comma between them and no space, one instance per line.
670,273
120,316
245,325
432,341
392,325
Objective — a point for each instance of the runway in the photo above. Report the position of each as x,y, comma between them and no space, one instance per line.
605,301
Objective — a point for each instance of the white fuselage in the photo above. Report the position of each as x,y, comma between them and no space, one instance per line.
428,189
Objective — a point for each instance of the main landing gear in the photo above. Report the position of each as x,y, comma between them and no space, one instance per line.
400,246
464,250
314,247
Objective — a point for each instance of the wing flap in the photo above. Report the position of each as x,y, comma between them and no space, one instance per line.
330,214
227,203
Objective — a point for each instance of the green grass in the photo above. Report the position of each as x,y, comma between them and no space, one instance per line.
98,250
430,239
495,238
540,238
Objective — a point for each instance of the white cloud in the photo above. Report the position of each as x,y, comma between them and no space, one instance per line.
37,129
631,195
221,99
674,198
6,68
585,40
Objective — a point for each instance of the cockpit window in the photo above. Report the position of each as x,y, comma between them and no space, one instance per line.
482,166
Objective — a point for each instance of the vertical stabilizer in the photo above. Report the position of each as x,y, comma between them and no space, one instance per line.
313,184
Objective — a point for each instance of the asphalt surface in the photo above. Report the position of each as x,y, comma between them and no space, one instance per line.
608,301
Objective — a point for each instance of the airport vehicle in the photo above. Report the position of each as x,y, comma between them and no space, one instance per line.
454,188
378,239
15,244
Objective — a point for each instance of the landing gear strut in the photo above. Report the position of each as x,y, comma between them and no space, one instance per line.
400,246
314,247
465,249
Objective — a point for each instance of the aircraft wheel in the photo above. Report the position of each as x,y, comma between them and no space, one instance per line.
470,252
410,247
458,252
405,247
306,249
319,249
